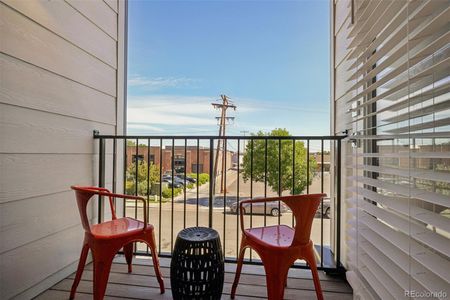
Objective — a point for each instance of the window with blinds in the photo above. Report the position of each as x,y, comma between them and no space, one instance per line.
392,93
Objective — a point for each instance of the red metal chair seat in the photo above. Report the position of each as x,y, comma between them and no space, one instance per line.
105,239
275,236
280,246
118,228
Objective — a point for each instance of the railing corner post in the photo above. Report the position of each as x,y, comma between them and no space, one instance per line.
338,203
101,175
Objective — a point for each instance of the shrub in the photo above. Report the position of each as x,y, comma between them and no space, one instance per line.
167,193
130,188
202,177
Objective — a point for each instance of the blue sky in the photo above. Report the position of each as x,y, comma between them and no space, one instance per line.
270,57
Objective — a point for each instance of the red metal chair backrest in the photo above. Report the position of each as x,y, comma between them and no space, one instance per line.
304,207
83,195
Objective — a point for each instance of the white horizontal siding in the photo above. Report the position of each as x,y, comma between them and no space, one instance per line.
38,260
40,217
59,64
59,17
28,41
33,87
99,13
33,131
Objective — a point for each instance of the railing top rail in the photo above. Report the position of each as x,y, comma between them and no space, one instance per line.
229,137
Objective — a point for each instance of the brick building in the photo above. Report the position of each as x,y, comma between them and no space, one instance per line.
179,161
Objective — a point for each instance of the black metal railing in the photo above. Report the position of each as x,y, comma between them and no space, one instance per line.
158,168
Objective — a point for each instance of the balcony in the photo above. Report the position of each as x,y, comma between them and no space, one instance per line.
386,223
211,204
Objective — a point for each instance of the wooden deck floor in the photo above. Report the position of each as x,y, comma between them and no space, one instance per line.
141,284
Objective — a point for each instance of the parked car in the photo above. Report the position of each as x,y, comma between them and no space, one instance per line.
188,179
175,179
326,208
271,208
175,184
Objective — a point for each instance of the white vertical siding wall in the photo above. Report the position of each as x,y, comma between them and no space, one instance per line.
62,76
391,92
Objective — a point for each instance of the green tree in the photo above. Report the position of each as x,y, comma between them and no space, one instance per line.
142,177
273,162
133,143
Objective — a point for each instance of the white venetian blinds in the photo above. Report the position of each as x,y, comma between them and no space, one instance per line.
396,106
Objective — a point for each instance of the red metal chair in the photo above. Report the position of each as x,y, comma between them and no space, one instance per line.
106,239
280,246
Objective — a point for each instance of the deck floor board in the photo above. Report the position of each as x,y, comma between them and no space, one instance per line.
142,283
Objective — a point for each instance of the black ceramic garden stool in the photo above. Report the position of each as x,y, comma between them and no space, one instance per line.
197,267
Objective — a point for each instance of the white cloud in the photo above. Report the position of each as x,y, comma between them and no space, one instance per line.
157,83
143,127
195,105
172,113
171,110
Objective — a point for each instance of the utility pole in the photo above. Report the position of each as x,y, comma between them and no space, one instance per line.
222,121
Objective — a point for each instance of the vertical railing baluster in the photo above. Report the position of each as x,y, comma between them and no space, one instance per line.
136,184
321,201
265,180
124,177
212,179
114,170
184,186
197,183
237,195
172,204
148,170
251,189
293,175
307,166
160,191
280,190
224,168
136,174
148,182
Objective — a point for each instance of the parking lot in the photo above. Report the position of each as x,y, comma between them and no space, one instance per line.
179,214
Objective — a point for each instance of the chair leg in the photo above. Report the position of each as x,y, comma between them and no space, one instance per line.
311,260
128,251
81,264
238,269
152,245
276,274
102,266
